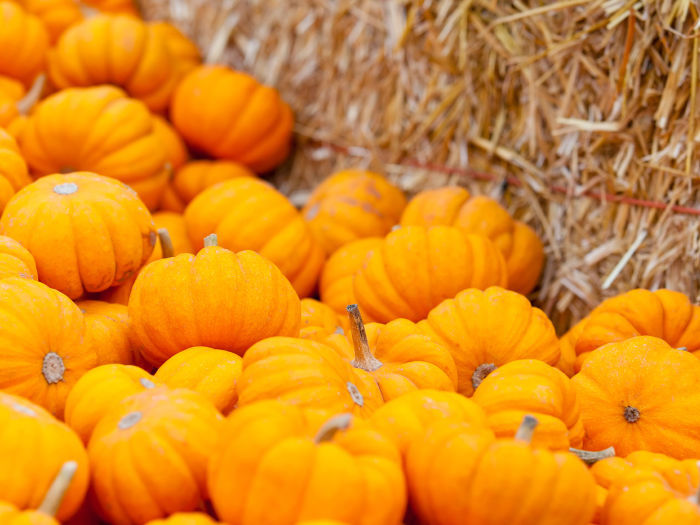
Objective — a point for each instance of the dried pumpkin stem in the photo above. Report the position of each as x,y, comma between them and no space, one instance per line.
59,487
33,95
592,456
526,429
331,427
211,240
363,355
166,243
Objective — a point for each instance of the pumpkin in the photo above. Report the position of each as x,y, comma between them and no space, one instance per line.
13,169
184,51
209,371
318,320
405,418
487,329
33,448
351,205
230,116
665,314
198,175
120,50
641,394
107,330
100,390
170,201
567,359
218,299
16,103
249,214
275,465
56,15
308,374
148,455
135,155
185,518
43,347
529,386
15,260
24,43
457,473
397,355
86,232
453,206
416,268
174,147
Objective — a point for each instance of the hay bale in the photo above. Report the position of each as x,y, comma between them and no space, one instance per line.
586,108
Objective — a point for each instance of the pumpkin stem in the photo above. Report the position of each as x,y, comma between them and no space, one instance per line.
211,240
33,95
526,429
481,372
54,496
363,355
591,456
331,427
166,243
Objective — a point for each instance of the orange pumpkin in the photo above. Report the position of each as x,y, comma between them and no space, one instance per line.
487,329
43,346
56,15
120,50
24,43
209,371
184,51
641,394
107,329
529,386
174,147
13,169
308,374
185,518
152,450
318,321
15,260
86,232
229,115
196,176
567,360
351,205
99,391
457,473
33,448
126,7
249,214
217,299
275,465
135,155
416,268
453,206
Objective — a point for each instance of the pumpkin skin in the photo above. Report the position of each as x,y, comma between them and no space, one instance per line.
175,149
15,260
529,386
218,299
196,176
86,232
457,473
183,50
453,206
13,169
24,42
354,477
126,7
318,320
33,447
107,329
209,371
230,116
416,268
56,15
633,394
120,50
43,346
10,515
135,156
185,518
99,391
305,373
567,360
351,205
148,455
486,329
249,214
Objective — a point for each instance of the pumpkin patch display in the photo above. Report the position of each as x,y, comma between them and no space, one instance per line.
13,169
15,260
24,43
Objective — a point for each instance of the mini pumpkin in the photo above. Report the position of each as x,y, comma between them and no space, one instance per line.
249,214
218,299
416,268
530,386
487,329
151,450
120,50
641,394
33,448
184,51
86,232
196,176
454,206
229,115
351,205
318,320
43,346
209,371
275,465
15,260
13,169
24,42
175,150
185,518
107,330
56,15
567,342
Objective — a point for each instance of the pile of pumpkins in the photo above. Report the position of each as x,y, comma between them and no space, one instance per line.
179,344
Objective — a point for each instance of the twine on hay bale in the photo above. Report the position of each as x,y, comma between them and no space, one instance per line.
588,108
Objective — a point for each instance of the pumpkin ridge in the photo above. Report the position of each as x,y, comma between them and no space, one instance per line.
97,210
387,272
255,88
